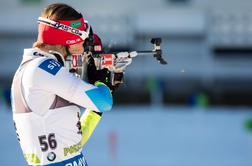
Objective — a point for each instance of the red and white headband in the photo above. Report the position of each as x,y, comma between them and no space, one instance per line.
64,32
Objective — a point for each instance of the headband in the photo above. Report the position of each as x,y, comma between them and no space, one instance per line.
64,32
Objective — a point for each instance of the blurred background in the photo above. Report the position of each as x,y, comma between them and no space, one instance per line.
195,111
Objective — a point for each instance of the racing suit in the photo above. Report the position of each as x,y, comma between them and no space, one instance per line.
46,103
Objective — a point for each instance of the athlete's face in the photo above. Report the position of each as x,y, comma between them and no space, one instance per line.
76,48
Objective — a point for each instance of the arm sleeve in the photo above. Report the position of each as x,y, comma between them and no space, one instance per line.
89,121
53,77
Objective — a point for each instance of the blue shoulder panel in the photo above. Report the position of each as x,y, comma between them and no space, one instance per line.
51,66
101,97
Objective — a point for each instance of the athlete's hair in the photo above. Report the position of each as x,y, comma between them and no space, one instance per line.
58,11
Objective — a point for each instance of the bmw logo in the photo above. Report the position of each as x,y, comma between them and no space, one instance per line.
51,156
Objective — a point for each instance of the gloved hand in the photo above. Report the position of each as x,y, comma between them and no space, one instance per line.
122,60
94,75
103,75
116,63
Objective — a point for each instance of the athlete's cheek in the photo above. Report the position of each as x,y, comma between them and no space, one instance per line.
76,48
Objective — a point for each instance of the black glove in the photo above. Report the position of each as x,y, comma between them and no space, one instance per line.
103,75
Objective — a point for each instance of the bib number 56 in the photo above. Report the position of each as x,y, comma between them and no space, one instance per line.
47,142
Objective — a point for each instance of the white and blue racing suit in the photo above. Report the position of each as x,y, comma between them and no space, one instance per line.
46,103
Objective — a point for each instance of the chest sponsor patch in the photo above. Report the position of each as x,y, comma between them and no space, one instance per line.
51,66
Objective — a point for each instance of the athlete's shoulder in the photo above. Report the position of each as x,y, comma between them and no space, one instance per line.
49,66
41,61
39,66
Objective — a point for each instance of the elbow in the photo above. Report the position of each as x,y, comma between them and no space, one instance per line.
106,100
101,97
104,104
102,100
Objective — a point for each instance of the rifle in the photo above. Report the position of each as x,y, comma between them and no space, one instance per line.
116,62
